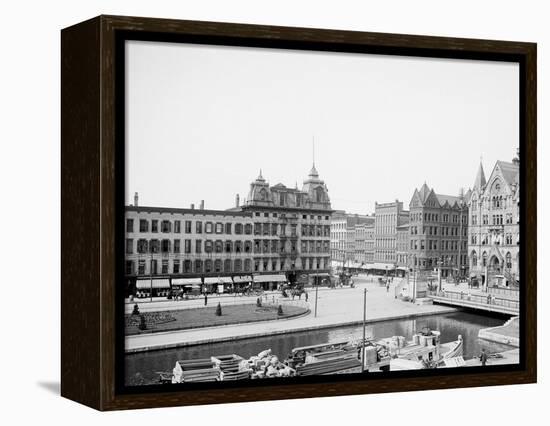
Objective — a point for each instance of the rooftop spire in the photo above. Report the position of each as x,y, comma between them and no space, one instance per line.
480,177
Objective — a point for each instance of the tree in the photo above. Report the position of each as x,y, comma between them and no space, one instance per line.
280,311
136,310
219,310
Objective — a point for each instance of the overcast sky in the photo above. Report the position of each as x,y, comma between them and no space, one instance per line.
202,120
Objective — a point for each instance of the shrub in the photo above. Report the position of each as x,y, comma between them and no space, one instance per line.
219,310
259,302
136,310
142,324
280,310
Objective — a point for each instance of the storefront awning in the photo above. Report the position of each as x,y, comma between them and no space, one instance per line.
402,268
242,279
383,266
218,280
269,278
186,281
157,283
321,274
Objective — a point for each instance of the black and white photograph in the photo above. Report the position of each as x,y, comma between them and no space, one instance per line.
295,213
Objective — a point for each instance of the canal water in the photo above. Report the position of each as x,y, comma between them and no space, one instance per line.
143,368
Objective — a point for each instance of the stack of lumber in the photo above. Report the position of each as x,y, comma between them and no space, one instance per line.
328,366
231,367
196,370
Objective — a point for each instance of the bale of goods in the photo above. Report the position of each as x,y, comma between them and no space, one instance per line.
329,366
371,355
227,363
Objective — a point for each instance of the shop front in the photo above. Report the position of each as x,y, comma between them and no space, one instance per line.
159,286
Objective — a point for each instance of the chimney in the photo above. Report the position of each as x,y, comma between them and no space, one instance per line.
237,200
192,207
136,199
202,204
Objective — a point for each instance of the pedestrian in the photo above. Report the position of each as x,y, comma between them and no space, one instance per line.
483,357
205,299
306,296
387,286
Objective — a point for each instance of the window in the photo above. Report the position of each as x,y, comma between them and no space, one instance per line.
176,267
208,245
238,228
247,265
219,228
129,225
237,266
247,246
238,246
508,218
129,246
166,226
198,266
228,247
227,265
484,259
177,226
219,246
508,260
143,225
177,246
248,229
142,246
198,227
187,246
198,246
188,225
218,265
154,225
141,267
164,266
154,246
187,265
208,227
165,246
207,266
129,267
154,267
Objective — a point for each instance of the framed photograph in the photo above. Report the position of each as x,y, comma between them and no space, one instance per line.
254,212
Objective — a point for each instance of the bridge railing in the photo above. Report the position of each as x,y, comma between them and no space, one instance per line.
489,300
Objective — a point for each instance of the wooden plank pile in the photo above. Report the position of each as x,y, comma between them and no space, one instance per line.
328,366
196,370
231,367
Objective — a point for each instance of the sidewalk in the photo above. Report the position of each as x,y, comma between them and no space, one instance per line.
335,307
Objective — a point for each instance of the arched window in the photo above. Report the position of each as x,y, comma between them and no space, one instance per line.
207,266
263,194
218,265
219,246
484,259
509,260
228,246
474,258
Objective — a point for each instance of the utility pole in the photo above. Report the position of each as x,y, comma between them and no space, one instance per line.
316,297
364,329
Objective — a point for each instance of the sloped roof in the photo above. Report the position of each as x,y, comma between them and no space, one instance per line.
509,171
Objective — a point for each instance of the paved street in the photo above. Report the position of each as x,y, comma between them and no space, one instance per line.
334,307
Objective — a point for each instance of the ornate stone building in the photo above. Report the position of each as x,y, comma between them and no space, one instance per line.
438,232
493,234
291,227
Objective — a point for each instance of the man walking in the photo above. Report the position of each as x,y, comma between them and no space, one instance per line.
483,358
205,299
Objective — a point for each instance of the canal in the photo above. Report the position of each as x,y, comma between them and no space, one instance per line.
142,368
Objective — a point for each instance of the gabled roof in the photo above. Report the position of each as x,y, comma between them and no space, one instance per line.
424,192
509,171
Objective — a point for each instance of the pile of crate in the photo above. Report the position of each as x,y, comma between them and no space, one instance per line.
195,370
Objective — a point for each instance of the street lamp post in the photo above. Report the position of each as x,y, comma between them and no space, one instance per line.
364,329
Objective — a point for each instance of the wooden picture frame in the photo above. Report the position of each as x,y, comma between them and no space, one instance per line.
92,170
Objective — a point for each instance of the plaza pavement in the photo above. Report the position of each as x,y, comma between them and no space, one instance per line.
335,307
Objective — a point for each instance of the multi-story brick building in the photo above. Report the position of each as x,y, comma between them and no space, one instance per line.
350,237
174,246
291,227
388,216
402,246
438,232
493,233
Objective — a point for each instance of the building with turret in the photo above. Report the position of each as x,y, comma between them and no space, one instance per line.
291,228
493,233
